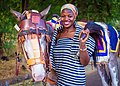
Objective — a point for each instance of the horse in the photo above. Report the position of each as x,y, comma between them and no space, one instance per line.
34,37
106,51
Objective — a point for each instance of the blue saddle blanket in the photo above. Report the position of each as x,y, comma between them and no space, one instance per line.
114,38
114,41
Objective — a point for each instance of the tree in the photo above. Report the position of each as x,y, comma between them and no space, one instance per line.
96,10
8,35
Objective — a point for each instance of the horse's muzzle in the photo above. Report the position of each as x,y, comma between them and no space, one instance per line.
38,72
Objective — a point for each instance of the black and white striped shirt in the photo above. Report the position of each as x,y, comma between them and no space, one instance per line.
64,59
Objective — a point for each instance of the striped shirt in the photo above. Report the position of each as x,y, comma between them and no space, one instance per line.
64,59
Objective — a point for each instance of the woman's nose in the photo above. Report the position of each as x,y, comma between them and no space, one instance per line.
66,18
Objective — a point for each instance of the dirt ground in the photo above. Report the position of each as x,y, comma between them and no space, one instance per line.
7,75
93,78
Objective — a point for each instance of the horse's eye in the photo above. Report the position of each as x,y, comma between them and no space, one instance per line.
39,36
45,38
39,33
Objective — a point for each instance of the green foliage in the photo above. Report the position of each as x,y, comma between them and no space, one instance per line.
8,33
96,10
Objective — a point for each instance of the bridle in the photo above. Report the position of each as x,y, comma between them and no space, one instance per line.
37,26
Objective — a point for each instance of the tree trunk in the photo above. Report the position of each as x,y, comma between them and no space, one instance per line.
25,5
1,43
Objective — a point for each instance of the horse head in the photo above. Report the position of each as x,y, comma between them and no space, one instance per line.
33,37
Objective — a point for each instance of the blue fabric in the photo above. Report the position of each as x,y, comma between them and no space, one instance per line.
113,37
53,21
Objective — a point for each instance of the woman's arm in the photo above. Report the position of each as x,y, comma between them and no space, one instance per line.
84,56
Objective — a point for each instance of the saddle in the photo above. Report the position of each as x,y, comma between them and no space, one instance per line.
106,39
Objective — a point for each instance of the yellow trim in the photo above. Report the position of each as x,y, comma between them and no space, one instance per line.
33,61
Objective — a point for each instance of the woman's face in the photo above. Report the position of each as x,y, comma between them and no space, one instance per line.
67,18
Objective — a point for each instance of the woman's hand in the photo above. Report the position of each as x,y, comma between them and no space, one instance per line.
83,36
84,57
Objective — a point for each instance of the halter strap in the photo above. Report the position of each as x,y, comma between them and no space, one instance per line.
33,61
31,31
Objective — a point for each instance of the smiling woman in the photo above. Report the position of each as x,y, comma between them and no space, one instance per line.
69,53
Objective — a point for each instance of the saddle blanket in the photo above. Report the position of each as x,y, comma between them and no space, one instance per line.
110,42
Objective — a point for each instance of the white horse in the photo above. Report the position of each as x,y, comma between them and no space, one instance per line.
107,48
34,36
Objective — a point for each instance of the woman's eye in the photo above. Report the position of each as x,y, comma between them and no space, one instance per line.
62,16
70,16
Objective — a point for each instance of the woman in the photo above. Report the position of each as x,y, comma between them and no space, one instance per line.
69,53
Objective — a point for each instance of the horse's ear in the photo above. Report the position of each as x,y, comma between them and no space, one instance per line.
18,15
45,11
